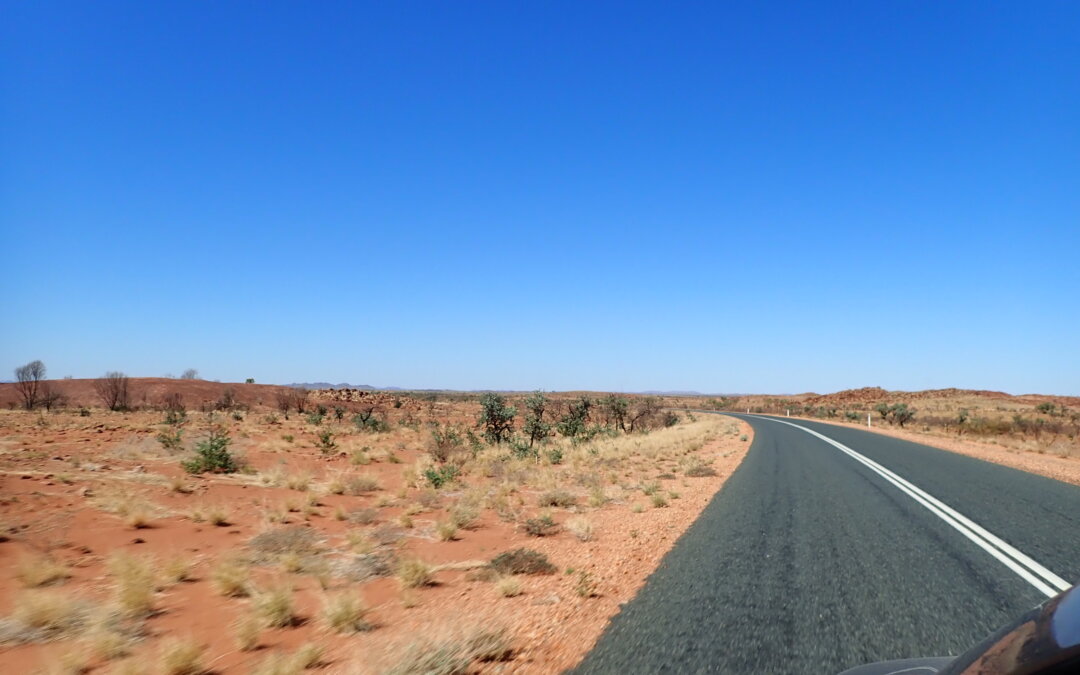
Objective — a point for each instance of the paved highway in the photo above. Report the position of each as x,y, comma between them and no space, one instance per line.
814,558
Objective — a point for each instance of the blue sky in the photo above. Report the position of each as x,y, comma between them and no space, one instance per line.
614,196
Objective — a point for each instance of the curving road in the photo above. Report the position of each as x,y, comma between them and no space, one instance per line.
815,558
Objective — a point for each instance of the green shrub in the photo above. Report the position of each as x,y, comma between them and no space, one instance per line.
369,422
496,418
440,476
326,442
212,455
171,441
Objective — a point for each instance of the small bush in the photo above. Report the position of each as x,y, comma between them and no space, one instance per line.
171,442
557,498
279,541
212,455
176,570
658,501
326,442
438,477
445,442
699,470
361,484
543,526
522,561
585,587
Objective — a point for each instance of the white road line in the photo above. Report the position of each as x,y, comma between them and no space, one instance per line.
1035,574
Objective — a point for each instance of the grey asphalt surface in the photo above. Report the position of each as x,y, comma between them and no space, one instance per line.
808,562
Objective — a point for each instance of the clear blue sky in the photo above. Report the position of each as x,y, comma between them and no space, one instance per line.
616,196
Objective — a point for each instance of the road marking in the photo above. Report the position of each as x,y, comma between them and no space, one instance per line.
1035,574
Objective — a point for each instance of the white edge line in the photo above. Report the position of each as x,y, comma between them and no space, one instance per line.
1000,550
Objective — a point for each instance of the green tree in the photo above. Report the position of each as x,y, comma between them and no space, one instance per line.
901,413
496,418
616,409
573,423
883,409
536,428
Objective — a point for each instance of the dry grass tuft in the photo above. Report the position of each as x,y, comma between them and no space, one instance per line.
36,571
454,656
508,587
346,613
177,569
299,481
414,573
135,583
218,516
446,530
246,631
581,527
42,615
181,657
231,578
308,655
108,644
275,607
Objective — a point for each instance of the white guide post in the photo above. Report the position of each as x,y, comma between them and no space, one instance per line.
867,419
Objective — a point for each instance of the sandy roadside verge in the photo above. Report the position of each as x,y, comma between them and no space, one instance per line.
1065,469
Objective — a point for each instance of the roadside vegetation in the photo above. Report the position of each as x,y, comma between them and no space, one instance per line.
297,517
1021,423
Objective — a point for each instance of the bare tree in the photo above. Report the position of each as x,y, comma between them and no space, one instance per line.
50,397
300,399
284,398
642,413
190,374
113,390
28,382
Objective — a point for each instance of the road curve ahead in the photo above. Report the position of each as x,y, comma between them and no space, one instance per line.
814,558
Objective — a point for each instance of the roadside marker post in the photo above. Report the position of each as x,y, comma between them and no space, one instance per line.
868,420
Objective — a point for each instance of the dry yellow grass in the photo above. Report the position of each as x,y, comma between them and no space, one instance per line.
414,573
135,582
508,586
52,613
274,606
581,527
345,613
42,570
246,631
231,578
179,656
177,569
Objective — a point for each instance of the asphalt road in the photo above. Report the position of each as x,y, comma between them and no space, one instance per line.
809,561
